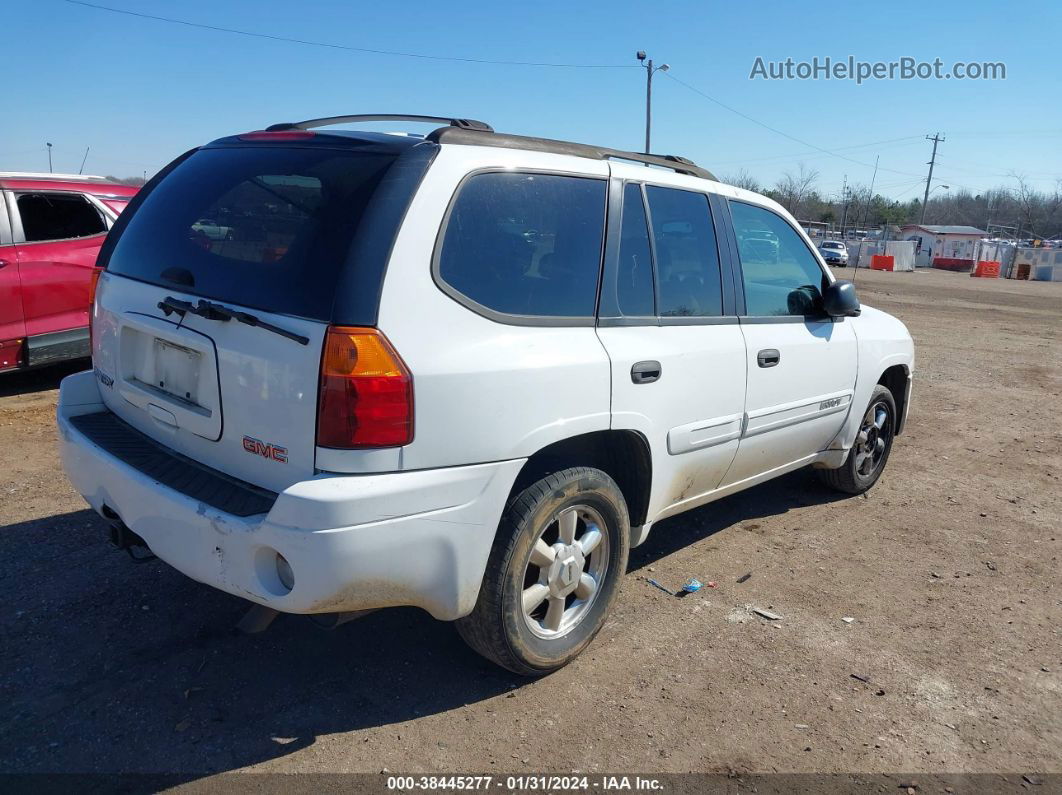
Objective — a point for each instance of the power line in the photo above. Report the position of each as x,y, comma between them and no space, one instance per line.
776,131
346,47
831,153
809,154
916,184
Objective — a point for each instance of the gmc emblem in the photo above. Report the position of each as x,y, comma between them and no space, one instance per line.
265,449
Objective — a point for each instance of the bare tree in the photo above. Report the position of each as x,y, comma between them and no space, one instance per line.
1039,213
794,188
743,179
1027,201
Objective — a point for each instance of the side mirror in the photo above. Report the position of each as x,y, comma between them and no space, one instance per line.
840,300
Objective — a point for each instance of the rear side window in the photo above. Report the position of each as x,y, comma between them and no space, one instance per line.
634,273
525,244
267,227
58,216
781,275
687,258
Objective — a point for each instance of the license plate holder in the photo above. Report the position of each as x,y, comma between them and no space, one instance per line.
177,371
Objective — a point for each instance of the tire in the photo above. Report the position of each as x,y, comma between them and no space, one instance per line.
854,476
558,627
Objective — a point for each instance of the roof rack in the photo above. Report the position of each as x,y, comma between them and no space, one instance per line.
473,137
477,133
48,175
309,124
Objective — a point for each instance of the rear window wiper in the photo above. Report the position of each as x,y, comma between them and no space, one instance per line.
211,311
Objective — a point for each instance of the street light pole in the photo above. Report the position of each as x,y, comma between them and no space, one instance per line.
649,71
49,158
648,104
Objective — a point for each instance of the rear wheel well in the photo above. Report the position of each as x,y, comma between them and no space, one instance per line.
895,380
623,455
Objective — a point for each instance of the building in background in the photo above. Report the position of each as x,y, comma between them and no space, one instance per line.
948,247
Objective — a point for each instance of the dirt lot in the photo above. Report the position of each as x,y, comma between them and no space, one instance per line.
950,568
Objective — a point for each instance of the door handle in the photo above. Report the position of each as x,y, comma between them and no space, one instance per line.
768,357
646,372
4,263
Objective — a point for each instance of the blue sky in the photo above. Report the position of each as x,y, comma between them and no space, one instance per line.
139,92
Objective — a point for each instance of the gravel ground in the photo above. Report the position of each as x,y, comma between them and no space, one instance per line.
949,568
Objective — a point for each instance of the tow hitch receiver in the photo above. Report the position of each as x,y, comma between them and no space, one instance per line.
124,538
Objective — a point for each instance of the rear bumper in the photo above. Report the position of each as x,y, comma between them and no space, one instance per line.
353,542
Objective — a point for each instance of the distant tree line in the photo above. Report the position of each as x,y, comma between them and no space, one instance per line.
134,181
1030,213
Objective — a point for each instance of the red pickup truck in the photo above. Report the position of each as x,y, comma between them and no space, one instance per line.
51,229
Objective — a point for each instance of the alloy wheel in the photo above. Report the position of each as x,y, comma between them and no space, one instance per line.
875,433
564,572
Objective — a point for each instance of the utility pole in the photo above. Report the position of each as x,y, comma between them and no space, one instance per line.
936,138
649,71
866,215
844,198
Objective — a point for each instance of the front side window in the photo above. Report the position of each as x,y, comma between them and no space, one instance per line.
687,259
58,216
781,275
526,244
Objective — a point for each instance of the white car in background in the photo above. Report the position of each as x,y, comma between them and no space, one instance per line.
835,252
212,230
466,372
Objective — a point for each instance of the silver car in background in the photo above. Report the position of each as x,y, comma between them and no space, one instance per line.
834,252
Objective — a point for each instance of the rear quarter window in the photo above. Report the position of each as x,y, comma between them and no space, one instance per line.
525,245
265,227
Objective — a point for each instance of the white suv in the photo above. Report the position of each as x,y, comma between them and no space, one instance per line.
466,372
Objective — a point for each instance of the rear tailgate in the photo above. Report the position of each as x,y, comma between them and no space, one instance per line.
234,397
219,289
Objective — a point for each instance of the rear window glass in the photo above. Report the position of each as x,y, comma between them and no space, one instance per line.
265,227
687,258
526,244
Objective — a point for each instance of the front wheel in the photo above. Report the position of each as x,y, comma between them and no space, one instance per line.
868,456
553,573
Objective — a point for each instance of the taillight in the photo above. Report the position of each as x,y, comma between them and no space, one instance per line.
94,280
366,397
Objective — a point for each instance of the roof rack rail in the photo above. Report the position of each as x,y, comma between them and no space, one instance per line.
50,175
472,137
309,124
